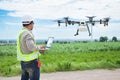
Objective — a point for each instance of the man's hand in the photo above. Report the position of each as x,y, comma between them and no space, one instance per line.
42,49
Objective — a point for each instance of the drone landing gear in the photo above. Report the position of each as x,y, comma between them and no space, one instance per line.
77,32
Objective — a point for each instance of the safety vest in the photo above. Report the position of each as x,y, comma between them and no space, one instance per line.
25,57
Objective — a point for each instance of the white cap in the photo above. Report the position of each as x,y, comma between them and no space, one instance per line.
27,19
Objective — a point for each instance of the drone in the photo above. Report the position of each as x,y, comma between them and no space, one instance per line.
91,21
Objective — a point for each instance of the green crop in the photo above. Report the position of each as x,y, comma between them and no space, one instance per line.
66,57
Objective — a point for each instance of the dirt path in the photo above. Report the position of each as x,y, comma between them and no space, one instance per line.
77,75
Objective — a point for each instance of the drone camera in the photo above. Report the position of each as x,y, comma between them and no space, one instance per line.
82,23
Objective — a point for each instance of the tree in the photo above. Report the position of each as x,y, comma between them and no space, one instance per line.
103,39
114,38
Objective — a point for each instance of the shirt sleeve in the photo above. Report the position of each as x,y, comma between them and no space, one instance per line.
31,45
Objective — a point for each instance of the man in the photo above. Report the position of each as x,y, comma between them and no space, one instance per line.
28,51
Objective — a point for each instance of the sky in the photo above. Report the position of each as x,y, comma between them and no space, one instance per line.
45,12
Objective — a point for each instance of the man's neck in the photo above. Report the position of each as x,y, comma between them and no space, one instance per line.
27,28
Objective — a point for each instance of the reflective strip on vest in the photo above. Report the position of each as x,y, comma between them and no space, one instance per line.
25,57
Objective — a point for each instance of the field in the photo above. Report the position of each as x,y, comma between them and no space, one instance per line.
66,57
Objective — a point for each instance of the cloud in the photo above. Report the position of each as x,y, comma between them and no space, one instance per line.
56,9
12,23
52,9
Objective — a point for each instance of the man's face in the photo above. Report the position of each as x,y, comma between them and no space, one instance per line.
31,26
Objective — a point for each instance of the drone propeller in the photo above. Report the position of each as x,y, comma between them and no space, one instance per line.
59,21
66,21
106,20
90,18
66,18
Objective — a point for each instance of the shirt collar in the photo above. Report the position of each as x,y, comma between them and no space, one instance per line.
27,29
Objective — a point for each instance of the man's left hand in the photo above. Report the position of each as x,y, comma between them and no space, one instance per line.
42,49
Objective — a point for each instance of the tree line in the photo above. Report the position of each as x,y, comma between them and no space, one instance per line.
101,39
105,39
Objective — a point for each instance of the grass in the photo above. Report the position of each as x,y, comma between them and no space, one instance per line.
66,57
80,61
